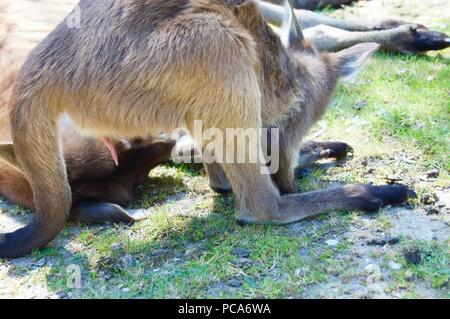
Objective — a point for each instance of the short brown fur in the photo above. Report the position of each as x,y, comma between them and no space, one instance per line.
210,60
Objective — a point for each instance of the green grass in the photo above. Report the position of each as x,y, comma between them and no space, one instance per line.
269,271
406,99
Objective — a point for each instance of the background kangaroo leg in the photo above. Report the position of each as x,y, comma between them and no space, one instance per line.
329,34
310,152
284,178
407,39
257,199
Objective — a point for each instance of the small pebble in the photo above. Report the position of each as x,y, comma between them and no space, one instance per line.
431,210
393,179
440,204
128,261
40,263
332,242
429,199
360,105
383,241
62,295
409,275
374,273
372,268
395,266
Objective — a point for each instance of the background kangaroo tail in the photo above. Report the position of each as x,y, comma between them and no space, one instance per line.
36,144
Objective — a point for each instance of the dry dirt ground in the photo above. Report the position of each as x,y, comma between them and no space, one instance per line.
396,118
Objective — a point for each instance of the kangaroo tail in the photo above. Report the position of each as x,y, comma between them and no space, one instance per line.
36,145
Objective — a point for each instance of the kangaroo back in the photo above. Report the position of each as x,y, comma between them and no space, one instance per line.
23,23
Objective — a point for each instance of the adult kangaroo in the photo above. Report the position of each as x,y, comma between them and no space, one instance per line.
138,67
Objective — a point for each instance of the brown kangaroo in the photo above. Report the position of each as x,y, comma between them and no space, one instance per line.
98,186
139,67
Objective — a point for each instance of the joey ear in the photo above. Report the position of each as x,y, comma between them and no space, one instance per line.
8,156
291,33
352,59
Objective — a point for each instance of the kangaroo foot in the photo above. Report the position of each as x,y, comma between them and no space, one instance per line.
294,207
411,39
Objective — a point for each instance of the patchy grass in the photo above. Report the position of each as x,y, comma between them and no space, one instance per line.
190,247
433,267
405,100
192,257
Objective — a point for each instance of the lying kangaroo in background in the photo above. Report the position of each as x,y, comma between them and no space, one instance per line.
141,67
316,4
329,34
98,185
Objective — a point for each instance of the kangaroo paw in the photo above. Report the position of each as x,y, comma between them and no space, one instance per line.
337,150
371,198
310,152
